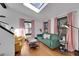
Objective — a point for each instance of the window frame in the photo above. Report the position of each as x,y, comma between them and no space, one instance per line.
37,10
28,27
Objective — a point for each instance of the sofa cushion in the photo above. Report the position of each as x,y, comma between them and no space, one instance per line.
46,42
54,36
46,36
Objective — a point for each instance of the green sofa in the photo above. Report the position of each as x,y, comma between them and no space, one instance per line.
52,42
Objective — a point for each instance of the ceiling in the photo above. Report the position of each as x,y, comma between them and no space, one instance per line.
50,11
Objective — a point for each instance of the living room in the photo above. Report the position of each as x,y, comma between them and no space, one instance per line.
26,24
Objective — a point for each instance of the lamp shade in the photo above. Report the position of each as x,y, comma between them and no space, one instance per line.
65,26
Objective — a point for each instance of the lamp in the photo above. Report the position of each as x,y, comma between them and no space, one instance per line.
67,26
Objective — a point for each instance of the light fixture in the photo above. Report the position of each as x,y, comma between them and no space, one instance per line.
65,26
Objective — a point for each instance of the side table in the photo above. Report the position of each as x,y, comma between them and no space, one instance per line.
63,45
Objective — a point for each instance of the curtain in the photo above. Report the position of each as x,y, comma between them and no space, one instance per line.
55,25
49,26
22,27
69,35
33,29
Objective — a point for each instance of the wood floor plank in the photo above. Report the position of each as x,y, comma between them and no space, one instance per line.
42,50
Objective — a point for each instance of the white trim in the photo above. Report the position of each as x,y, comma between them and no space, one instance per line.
33,8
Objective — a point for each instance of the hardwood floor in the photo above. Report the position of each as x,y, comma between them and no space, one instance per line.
42,50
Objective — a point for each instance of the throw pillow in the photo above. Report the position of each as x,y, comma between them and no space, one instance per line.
46,36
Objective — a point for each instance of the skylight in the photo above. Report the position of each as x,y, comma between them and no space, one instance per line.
37,7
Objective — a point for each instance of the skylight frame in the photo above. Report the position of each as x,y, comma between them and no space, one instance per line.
37,5
34,8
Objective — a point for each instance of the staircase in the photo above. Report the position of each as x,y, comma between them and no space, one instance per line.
6,40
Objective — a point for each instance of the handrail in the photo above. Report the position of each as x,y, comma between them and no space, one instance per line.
6,30
4,22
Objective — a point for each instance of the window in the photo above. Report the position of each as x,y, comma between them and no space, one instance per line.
62,30
28,27
45,26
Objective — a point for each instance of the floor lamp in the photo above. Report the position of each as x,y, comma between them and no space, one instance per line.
67,26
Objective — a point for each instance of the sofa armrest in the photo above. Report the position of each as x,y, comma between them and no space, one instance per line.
54,38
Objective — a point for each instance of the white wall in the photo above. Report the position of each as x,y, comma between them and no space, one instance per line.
12,16
6,40
7,47
76,23
52,25
39,25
